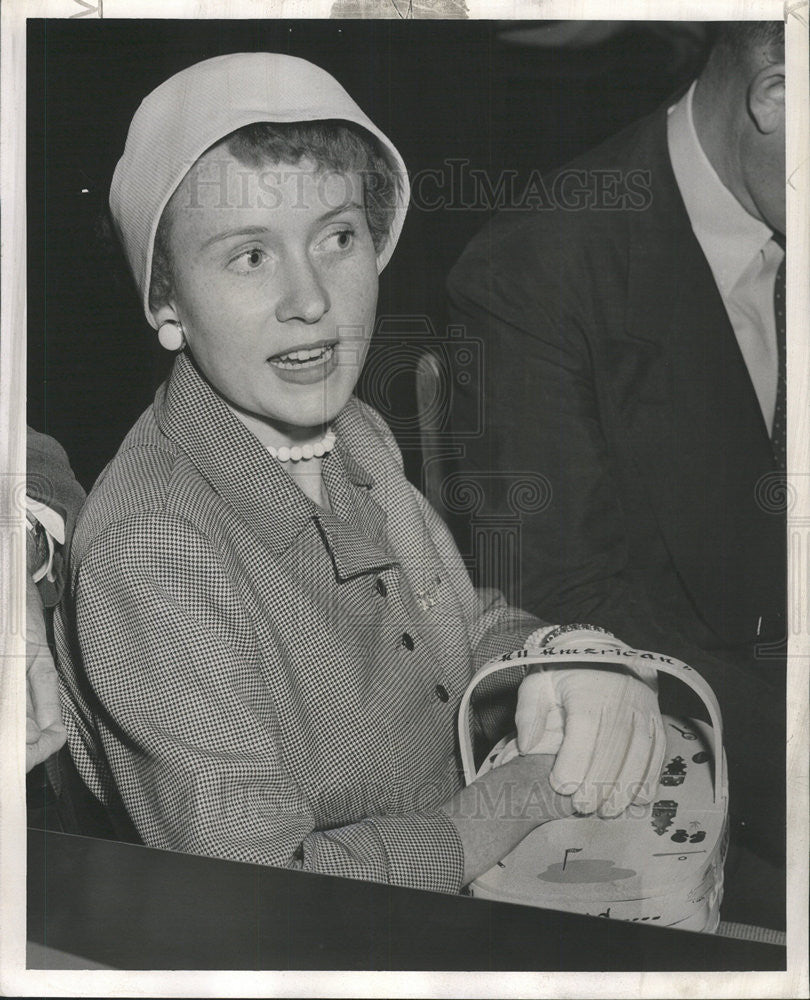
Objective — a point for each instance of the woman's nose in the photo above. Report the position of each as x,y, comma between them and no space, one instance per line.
303,296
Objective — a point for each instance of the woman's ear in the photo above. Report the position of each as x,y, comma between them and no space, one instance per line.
766,98
165,314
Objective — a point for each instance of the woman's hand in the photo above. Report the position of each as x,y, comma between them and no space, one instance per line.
609,731
495,812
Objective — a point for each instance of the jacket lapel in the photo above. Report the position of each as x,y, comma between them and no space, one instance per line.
690,405
354,532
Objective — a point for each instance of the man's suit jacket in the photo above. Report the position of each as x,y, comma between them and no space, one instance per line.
611,368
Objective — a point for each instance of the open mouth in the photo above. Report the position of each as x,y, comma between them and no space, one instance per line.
304,357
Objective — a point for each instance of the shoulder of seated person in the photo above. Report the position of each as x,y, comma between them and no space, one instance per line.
536,234
137,482
42,446
149,541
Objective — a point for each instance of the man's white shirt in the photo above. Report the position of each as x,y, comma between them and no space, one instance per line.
740,250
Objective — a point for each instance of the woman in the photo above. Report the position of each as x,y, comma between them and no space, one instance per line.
269,630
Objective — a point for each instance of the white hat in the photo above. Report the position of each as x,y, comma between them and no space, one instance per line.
197,107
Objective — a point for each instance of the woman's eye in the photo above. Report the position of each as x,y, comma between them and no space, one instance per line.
249,260
340,240
254,257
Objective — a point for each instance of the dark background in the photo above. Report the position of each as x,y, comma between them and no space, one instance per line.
440,90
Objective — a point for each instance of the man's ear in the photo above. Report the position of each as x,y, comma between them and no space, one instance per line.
766,98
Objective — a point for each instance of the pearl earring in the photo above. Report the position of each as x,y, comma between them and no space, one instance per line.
170,335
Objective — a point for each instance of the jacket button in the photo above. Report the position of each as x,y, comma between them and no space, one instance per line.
407,641
441,693
380,587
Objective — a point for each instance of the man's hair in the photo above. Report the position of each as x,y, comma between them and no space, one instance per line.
331,145
738,41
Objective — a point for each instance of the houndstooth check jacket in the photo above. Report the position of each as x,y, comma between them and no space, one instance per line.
254,678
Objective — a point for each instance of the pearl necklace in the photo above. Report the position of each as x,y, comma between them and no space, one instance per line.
304,452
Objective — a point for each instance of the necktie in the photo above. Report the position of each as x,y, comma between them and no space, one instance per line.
779,433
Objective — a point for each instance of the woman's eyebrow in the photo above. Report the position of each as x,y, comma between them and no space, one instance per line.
261,230
240,231
341,208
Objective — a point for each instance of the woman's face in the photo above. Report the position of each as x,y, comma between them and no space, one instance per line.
275,283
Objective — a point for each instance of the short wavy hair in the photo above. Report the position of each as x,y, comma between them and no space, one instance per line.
331,145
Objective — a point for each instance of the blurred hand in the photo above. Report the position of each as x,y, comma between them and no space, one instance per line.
606,728
44,733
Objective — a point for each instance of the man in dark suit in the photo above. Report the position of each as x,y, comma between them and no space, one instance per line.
632,357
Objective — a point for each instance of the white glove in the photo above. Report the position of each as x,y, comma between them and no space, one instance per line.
604,723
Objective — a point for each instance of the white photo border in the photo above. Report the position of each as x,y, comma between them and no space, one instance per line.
14,978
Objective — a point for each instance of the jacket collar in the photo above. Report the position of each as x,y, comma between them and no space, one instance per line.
242,472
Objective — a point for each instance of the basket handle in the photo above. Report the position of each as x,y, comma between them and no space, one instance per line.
552,654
